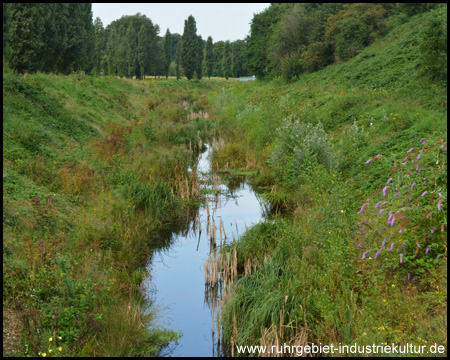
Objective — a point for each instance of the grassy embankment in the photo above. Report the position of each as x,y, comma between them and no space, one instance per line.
93,169
360,253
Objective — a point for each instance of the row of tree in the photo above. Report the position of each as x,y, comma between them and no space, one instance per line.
55,37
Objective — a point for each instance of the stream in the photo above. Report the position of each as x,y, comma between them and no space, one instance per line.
177,281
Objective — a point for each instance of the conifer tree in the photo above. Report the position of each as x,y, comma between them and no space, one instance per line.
189,55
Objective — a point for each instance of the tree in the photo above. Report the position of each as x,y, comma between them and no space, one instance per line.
189,55
26,42
227,60
199,57
142,51
99,44
131,51
218,49
209,56
178,59
168,52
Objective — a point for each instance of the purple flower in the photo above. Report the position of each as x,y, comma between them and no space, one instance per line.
440,195
392,246
410,150
442,147
432,231
424,182
418,157
389,218
424,193
439,204
412,186
423,139
381,211
360,245
362,229
364,254
385,189
378,203
401,258
362,208
390,179
357,271
427,250
368,161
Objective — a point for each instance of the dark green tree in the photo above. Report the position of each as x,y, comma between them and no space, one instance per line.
131,51
209,57
178,59
218,49
26,36
227,60
168,52
142,51
199,61
189,54
99,44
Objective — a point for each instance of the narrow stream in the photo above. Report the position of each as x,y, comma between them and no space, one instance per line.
177,284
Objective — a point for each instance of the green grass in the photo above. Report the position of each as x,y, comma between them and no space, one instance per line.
94,168
309,271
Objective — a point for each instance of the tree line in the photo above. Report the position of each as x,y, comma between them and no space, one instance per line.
285,40
63,38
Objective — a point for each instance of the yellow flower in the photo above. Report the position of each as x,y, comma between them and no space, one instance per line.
342,211
51,339
44,354
50,350
364,334
60,348
393,285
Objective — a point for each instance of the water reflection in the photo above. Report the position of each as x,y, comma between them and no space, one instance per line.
177,282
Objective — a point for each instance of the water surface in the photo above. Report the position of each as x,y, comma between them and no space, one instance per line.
177,282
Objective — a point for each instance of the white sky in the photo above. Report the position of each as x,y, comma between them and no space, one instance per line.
221,21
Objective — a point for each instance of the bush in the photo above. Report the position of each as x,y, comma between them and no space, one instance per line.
295,142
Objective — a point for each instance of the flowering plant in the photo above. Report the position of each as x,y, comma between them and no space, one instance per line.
403,225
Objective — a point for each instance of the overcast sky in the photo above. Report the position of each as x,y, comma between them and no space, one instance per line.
221,21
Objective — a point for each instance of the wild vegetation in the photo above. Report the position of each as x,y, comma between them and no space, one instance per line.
93,170
353,160
344,134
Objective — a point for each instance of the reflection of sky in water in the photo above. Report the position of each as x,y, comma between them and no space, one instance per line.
178,275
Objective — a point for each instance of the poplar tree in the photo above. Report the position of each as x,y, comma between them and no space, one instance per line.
209,57
189,56
178,59
168,52
199,61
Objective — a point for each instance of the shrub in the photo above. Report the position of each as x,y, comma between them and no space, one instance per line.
295,142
